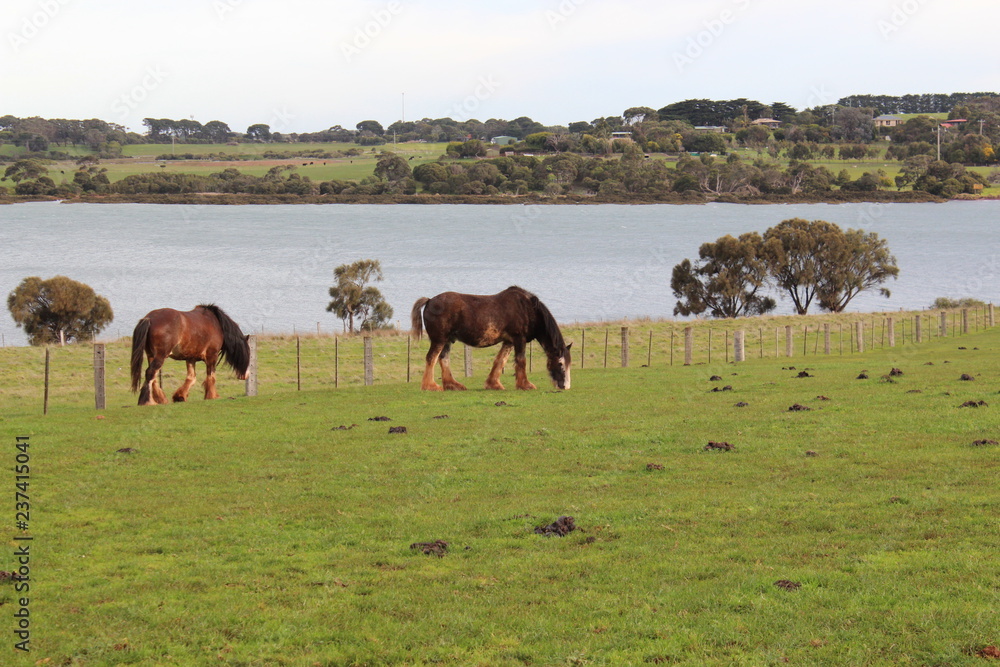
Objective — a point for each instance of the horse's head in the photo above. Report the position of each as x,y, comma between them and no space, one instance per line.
559,367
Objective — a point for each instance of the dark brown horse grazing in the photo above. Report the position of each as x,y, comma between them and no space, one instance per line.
203,334
514,317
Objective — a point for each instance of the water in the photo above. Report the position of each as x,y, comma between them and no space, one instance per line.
271,267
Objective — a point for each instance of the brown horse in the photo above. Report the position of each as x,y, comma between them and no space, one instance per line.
514,317
203,334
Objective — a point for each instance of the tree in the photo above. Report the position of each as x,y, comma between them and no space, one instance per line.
216,131
372,126
725,281
796,252
58,310
354,299
392,167
259,132
24,170
859,261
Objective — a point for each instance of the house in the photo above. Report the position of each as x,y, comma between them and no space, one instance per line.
718,129
888,120
627,136
503,141
767,122
953,122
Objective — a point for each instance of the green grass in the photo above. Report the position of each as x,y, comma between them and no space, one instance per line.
248,532
141,160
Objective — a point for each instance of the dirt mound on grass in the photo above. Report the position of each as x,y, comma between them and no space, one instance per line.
561,527
718,446
437,547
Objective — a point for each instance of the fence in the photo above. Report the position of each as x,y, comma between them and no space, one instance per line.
74,374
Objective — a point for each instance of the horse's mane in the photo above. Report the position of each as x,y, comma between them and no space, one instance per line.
547,329
235,349
551,328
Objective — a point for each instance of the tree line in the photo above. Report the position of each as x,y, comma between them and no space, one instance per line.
849,119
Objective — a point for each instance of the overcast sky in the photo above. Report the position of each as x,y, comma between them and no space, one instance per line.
305,65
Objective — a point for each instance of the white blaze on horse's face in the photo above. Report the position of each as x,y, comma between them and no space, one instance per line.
563,364
565,367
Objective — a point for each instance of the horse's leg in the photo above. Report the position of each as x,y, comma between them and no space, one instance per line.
521,367
428,382
209,383
157,390
447,379
150,392
182,392
493,380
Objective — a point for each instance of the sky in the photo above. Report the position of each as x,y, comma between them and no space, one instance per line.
306,65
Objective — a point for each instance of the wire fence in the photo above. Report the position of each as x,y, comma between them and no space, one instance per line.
35,379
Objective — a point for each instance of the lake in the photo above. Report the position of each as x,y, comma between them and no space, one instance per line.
271,267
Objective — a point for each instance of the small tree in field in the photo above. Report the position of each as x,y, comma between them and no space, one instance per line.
354,299
726,281
58,310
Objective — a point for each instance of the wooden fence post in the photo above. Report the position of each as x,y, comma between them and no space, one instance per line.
649,350
468,360
583,346
944,324
918,329
826,338
298,364
891,331
965,320
859,327
788,341
251,382
336,362
100,396
408,339
739,351
605,348
369,362
671,347
624,347
991,320
688,346
45,397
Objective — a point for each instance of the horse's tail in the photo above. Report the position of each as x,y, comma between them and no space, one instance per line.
235,348
139,336
416,318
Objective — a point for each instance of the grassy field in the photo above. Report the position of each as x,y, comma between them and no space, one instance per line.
256,531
